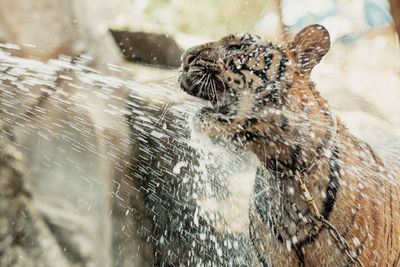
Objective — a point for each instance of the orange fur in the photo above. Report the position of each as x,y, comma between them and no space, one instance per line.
290,128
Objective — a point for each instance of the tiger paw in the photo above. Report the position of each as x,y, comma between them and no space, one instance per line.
210,122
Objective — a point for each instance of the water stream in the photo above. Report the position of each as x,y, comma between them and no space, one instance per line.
115,163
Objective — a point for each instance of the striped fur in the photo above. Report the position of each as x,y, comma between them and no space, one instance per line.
262,100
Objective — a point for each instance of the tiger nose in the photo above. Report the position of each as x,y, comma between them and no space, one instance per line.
187,58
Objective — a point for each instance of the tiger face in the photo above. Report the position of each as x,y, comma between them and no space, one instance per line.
222,71
226,71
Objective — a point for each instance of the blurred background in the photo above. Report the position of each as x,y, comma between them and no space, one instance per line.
98,163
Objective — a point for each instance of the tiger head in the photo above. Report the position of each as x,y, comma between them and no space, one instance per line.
261,93
222,72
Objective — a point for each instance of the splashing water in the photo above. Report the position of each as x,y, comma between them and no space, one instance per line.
87,138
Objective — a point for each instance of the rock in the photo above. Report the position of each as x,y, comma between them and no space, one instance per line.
25,239
148,48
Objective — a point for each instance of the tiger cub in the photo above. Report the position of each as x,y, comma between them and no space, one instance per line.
263,100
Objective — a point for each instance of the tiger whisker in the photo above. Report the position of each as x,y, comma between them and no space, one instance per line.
203,84
200,80
215,92
223,84
208,86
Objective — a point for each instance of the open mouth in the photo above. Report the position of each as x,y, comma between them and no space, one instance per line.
208,87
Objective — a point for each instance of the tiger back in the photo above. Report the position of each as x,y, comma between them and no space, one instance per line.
262,100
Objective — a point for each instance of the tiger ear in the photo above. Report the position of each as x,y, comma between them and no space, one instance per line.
309,46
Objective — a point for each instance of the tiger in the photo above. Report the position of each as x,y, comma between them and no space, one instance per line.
321,197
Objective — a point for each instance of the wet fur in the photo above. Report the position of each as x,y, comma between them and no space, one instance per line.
267,104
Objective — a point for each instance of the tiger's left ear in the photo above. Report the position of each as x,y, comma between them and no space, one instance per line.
309,46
